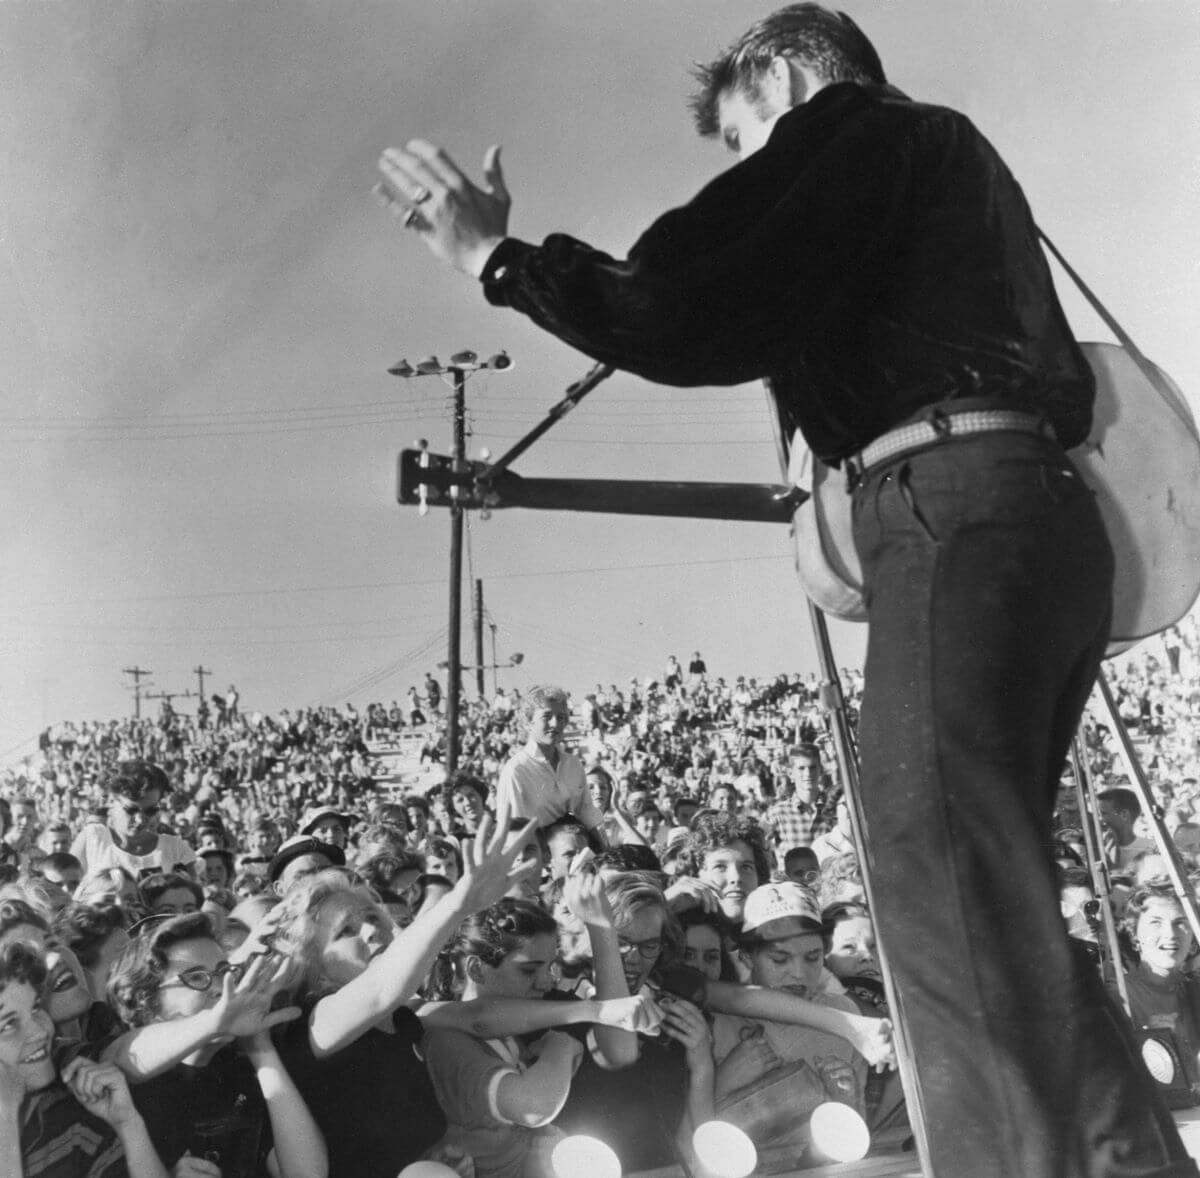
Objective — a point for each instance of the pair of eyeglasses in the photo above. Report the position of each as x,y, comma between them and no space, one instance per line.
197,978
648,949
807,878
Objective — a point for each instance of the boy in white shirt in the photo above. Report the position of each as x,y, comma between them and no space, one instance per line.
542,780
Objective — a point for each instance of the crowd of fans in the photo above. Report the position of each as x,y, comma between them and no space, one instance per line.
236,943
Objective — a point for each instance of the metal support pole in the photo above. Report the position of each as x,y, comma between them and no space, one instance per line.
1166,847
1089,816
480,686
454,655
461,365
847,756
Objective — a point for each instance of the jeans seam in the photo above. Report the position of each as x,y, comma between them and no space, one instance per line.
935,764
910,501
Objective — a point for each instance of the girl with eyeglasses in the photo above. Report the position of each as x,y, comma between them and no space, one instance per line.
646,1111
206,1076
131,838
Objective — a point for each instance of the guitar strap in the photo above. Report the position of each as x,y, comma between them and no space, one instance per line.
782,441
1147,369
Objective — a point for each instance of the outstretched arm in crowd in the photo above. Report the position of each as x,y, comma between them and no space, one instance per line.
870,1037
493,1018
299,1150
585,897
535,1096
392,978
243,1010
685,1022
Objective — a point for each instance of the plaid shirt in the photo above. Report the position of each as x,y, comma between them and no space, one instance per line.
789,824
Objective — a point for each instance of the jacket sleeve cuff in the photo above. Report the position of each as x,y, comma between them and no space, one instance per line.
501,269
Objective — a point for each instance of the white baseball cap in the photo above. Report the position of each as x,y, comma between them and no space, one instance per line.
779,910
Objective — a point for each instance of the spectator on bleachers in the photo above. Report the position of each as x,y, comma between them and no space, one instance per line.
131,840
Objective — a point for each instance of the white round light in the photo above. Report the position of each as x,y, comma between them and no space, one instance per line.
1158,1061
428,1170
724,1150
584,1157
839,1134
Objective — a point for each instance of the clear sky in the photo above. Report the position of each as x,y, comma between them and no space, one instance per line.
199,299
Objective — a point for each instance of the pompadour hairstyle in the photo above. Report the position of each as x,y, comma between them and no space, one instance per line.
541,696
828,42
131,779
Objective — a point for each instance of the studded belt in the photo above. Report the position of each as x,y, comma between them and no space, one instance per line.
939,426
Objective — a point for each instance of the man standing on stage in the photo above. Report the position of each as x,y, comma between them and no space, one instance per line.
874,259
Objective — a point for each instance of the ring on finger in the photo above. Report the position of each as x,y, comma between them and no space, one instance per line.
412,218
421,195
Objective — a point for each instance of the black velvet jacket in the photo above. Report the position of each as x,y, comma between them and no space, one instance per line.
874,257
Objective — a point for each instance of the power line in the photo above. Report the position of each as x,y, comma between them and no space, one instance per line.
347,588
389,670
193,627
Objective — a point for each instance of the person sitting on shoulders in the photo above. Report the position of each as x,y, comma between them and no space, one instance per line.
542,780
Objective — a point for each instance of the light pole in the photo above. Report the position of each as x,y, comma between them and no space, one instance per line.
462,365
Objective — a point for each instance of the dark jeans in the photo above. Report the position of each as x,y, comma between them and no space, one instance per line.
988,577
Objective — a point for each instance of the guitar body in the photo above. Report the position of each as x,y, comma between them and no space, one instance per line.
1142,459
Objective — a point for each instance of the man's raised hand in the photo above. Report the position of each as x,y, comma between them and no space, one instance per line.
460,222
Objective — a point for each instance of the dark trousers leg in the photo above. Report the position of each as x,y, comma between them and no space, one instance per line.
988,576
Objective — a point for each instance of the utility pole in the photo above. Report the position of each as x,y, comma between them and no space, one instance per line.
495,666
138,673
200,672
462,365
454,656
480,686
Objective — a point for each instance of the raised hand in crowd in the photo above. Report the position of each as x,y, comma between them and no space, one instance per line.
491,863
687,893
103,1091
583,892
